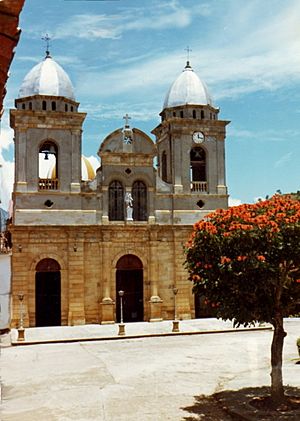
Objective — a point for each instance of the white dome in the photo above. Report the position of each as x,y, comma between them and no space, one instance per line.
187,89
47,78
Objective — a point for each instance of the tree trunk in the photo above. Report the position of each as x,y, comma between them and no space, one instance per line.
277,392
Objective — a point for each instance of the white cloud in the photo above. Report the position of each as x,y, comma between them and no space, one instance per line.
267,135
6,138
112,26
6,181
234,202
281,162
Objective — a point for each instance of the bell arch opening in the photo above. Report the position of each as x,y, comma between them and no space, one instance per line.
198,176
48,166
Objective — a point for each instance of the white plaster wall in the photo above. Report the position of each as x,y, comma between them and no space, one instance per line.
5,285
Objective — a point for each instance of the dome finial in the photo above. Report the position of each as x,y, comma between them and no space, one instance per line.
47,39
188,50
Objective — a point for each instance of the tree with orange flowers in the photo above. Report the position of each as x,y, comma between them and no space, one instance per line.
246,260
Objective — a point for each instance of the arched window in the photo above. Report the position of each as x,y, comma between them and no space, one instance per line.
194,113
116,201
53,105
174,113
72,108
198,169
44,105
30,105
66,107
139,196
48,166
202,114
164,168
23,106
181,114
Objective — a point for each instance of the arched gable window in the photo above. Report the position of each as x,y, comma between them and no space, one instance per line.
164,168
48,166
198,169
139,196
116,201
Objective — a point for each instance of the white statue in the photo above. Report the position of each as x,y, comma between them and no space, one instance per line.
129,206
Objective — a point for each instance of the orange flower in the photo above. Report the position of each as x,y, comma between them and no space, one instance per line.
225,259
261,258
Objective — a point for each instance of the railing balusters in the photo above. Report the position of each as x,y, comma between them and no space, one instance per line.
48,184
199,186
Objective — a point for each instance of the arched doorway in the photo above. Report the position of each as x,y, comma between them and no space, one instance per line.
129,278
47,293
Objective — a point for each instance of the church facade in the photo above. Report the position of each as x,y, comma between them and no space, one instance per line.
78,242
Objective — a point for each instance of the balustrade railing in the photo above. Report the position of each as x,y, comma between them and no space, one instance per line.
48,184
199,186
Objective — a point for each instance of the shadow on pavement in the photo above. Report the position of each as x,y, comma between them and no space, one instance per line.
235,405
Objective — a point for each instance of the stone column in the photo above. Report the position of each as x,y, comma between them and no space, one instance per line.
177,149
76,161
76,315
107,305
221,186
155,300
20,162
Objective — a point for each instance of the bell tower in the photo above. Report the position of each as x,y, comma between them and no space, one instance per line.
190,142
48,130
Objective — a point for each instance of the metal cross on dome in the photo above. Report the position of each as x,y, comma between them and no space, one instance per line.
47,39
126,118
188,50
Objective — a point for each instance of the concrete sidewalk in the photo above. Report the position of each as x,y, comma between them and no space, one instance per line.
148,379
56,334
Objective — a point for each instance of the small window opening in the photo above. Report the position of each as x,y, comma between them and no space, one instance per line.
181,114
30,105
174,113
66,107
44,105
72,108
200,203
53,105
23,106
194,113
202,114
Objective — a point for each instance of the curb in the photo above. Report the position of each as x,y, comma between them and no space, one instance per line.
146,335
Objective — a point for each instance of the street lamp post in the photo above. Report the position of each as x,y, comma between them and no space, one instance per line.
175,321
121,324
21,330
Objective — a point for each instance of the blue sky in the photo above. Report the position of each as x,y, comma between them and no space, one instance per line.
122,56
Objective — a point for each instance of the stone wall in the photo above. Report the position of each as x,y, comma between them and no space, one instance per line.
88,258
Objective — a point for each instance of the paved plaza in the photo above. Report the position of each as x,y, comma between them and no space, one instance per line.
143,378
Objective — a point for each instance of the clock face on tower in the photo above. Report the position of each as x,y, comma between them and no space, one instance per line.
198,137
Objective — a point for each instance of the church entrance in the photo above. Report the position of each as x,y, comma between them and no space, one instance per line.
47,293
129,278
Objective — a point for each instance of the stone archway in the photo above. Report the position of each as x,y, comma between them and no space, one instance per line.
47,293
129,278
